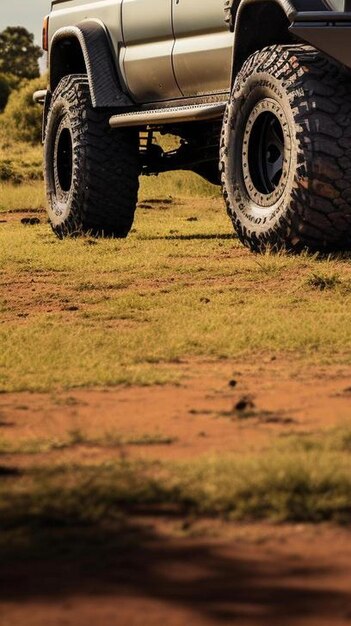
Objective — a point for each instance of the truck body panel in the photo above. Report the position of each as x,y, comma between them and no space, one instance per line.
72,12
202,55
146,53
167,50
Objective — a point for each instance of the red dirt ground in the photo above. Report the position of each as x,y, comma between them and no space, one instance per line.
162,569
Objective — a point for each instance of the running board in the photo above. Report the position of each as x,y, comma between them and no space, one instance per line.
155,117
39,96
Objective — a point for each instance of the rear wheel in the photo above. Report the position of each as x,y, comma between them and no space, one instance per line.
286,151
91,172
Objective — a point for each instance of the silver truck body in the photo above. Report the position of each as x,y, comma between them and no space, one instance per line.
169,50
252,106
158,56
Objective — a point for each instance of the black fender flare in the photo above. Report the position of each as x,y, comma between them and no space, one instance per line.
290,7
86,47
239,15
232,9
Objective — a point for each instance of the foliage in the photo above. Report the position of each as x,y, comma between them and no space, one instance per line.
18,53
22,119
26,169
8,83
20,161
5,91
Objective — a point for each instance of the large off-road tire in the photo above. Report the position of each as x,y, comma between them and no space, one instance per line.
286,151
91,172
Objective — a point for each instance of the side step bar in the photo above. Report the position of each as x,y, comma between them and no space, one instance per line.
154,117
39,96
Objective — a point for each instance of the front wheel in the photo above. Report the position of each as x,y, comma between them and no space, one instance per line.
91,172
286,151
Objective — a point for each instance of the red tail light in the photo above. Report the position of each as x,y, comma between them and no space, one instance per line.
45,43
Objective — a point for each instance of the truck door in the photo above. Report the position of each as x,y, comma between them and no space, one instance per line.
147,52
203,48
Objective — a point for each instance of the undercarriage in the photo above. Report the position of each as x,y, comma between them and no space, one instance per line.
197,150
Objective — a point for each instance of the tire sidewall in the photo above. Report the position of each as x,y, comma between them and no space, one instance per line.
249,91
64,206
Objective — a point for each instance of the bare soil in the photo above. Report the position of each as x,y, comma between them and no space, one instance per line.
160,568
202,415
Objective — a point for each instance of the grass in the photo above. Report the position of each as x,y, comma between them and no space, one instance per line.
20,162
288,483
16,198
30,194
86,312
28,190
177,184
324,281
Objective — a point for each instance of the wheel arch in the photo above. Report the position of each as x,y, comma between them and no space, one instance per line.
86,49
260,23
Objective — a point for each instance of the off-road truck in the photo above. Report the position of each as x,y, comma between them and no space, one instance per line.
257,93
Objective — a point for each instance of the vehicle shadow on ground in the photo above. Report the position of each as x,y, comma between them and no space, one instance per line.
130,557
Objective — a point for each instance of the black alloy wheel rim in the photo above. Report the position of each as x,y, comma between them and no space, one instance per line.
266,153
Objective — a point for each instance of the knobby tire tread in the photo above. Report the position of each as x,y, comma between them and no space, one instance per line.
318,211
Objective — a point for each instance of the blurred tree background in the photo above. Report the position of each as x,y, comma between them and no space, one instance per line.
20,117
19,61
19,55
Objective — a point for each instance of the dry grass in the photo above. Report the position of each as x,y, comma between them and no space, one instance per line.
16,198
30,194
20,162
